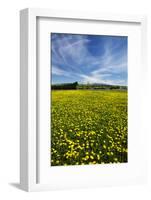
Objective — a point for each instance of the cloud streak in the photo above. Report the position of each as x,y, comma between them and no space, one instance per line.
89,58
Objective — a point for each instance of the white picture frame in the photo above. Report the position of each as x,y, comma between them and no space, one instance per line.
29,83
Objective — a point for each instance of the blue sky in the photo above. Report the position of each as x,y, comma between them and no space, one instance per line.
88,58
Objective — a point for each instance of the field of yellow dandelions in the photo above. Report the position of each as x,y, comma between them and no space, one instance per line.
88,127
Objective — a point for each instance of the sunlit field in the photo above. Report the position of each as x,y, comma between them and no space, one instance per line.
88,127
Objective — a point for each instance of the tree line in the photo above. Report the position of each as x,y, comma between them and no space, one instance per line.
64,86
76,85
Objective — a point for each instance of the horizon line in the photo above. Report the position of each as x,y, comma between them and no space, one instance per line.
88,83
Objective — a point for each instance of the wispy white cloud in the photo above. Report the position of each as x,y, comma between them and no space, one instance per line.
59,72
100,79
71,57
70,49
94,78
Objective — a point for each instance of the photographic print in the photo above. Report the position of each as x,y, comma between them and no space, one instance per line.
89,99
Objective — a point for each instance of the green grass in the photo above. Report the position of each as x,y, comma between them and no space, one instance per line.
88,127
